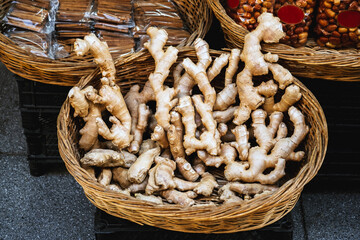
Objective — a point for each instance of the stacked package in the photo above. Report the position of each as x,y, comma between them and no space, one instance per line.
49,28
26,23
112,23
72,21
161,14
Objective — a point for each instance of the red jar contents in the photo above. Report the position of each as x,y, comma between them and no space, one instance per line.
233,3
337,23
290,14
296,17
349,19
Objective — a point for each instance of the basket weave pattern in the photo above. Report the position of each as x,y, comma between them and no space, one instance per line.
66,72
310,61
225,218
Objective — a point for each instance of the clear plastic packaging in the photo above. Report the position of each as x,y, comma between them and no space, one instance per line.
296,17
113,12
74,11
29,15
162,14
35,43
118,43
337,23
246,12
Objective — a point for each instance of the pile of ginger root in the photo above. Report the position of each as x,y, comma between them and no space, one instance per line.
197,146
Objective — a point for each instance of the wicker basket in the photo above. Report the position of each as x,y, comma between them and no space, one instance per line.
310,61
66,72
225,218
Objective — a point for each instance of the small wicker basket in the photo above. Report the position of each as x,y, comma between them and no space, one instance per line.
225,218
196,15
310,61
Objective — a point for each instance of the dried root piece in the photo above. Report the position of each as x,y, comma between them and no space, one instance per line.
161,176
184,84
183,198
175,136
229,192
228,154
141,124
139,170
163,61
153,199
105,176
204,187
100,52
233,66
186,169
135,101
103,158
281,149
78,101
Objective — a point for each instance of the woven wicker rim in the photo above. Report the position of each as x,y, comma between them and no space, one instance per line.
311,61
67,72
257,213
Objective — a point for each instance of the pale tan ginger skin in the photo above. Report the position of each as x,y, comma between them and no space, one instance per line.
233,66
228,192
218,64
250,97
183,84
207,139
224,116
270,31
204,187
241,143
175,135
120,176
103,158
182,198
89,112
153,199
291,96
226,97
164,95
281,149
105,177
100,52
141,124
228,196
147,144
138,171
159,135
228,154
161,176
186,169
118,134
110,96
116,188
133,99
199,166
79,102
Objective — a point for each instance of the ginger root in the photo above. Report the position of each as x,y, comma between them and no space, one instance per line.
201,145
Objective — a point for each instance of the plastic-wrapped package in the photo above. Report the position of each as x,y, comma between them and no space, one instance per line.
337,23
72,21
118,43
73,11
114,12
34,42
246,12
29,15
159,13
296,17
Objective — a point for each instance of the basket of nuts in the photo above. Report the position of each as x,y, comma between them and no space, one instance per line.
167,137
36,37
319,42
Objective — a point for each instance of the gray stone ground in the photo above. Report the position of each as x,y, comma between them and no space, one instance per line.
53,206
